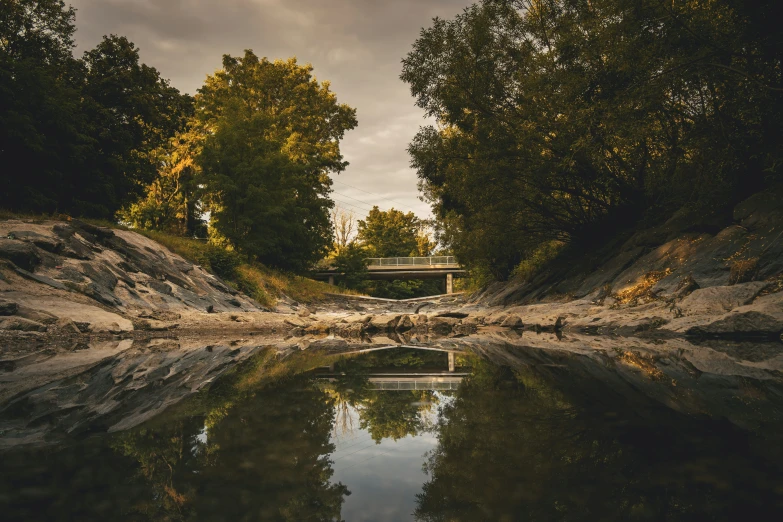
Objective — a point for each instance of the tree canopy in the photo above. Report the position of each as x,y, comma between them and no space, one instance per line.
271,135
392,233
558,117
76,135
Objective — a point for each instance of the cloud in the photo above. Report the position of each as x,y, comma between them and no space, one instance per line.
355,44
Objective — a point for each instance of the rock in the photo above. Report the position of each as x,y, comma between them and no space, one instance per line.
40,279
210,309
317,328
404,324
441,325
512,321
43,242
329,343
8,308
421,320
67,326
385,322
303,312
38,316
741,325
296,322
161,287
455,315
112,328
21,254
718,300
352,330
21,324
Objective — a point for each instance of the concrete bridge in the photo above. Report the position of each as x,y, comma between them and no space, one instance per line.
380,268
396,379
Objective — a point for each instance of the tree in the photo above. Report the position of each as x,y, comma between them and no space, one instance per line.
344,223
271,136
173,200
132,113
40,119
351,262
76,136
391,233
559,120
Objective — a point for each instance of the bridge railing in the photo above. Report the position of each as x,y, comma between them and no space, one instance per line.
412,261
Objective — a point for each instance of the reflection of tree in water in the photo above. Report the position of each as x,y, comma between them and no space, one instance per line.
268,459
395,414
512,448
385,413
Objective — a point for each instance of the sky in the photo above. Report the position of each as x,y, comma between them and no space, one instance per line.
356,45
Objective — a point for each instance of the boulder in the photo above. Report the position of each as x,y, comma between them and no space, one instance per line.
38,316
741,325
385,322
49,244
67,326
404,324
442,325
512,321
8,308
317,328
718,300
21,254
21,324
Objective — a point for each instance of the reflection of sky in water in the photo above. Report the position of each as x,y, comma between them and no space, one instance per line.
383,478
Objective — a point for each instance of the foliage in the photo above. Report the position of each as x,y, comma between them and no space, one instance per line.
392,233
561,119
270,137
76,136
257,281
544,254
172,202
351,261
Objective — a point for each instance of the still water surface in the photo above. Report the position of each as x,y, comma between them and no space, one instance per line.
492,439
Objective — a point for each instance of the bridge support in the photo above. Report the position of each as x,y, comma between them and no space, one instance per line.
451,361
449,283
331,280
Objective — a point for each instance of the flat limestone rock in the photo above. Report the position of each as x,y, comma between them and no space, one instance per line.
20,324
98,318
717,300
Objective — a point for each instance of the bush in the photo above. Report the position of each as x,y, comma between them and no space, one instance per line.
541,257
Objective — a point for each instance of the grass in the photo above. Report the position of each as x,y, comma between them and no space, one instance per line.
263,284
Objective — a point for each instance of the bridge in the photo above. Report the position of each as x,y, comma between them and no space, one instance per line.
379,268
397,379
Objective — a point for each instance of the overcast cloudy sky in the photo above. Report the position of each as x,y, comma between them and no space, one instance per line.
355,44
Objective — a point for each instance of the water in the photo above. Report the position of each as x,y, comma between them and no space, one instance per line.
511,434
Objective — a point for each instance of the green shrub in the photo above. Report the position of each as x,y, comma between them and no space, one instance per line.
544,254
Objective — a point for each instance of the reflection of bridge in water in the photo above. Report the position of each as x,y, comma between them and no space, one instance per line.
398,379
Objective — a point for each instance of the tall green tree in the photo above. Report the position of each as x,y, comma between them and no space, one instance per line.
392,233
132,112
271,135
76,136
40,120
558,119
